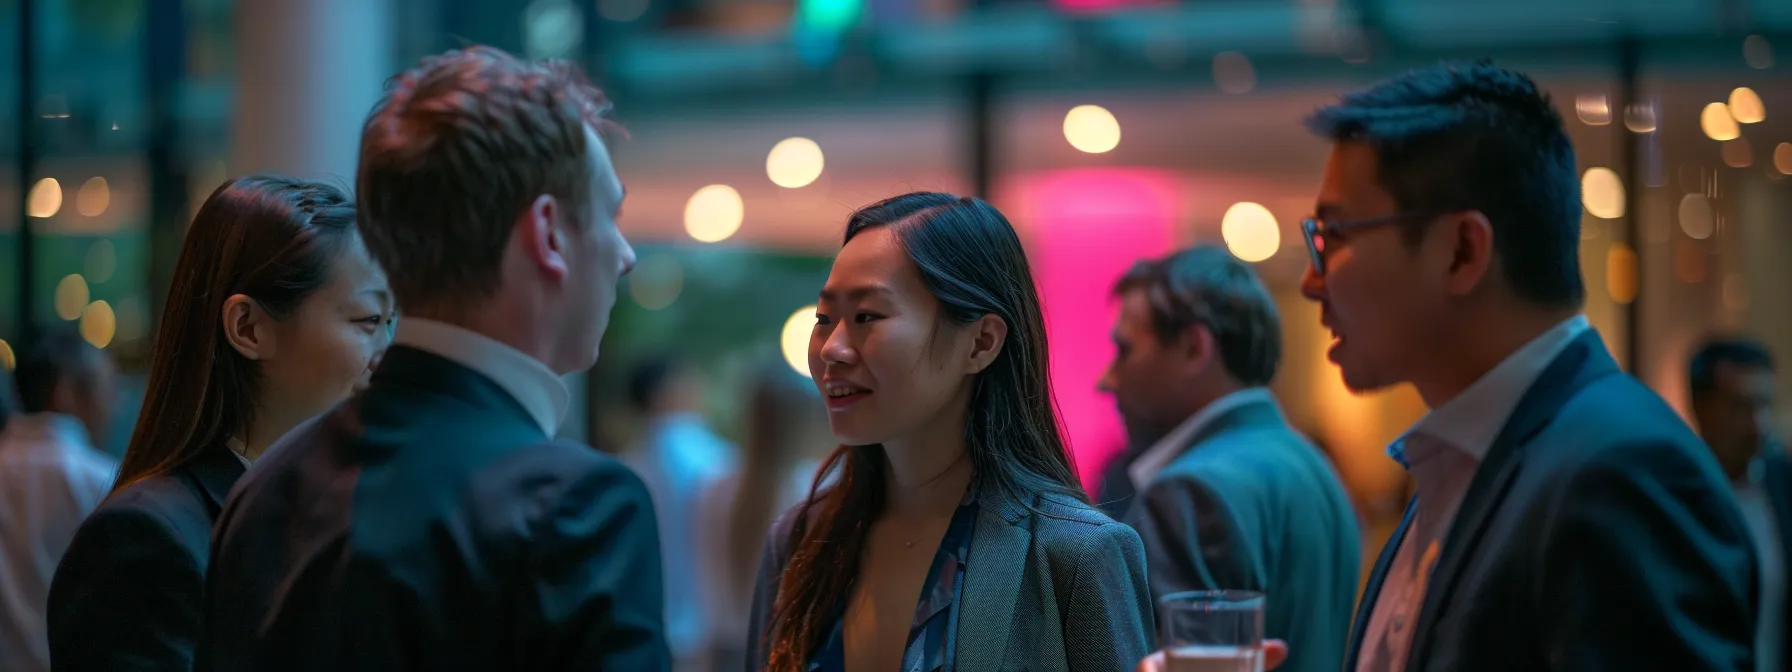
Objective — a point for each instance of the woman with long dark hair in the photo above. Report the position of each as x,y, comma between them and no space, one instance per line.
955,535
276,313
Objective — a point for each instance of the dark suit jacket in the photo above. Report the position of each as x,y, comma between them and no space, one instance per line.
1060,589
1778,481
429,524
128,594
1598,534
1251,505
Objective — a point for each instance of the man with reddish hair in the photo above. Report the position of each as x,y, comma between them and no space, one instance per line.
433,521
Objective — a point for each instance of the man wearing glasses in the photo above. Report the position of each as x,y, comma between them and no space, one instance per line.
1566,518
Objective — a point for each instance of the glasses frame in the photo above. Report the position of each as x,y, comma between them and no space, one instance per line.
1313,231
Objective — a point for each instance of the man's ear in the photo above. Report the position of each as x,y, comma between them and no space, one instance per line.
248,328
1197,345
1472,256
538,235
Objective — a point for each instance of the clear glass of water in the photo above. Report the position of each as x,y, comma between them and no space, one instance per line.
1212,631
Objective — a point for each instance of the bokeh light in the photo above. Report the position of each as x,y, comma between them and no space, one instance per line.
794,163
656,282
1251,232
1718,124
1746,106
71,297
1695,216
1602,192
1092,129
714,213
98,324
45,199
794,339
102,260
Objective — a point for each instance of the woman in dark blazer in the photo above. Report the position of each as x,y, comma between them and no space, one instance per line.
953,534
275,313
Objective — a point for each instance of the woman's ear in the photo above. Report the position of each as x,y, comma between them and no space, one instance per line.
248,328
988,334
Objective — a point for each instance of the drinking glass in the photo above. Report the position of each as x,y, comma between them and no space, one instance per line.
1212,631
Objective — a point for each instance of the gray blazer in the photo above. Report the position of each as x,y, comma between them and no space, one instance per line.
1060,588
1251,505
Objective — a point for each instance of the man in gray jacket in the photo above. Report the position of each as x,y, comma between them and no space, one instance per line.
1223,492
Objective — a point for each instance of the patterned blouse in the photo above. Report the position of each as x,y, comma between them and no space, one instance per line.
933,635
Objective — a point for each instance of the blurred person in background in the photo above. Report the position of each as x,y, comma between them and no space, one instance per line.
774,472
51,477
1230,497
1565,516
276,312
680,459
956,535
434,521
7,407
1731,381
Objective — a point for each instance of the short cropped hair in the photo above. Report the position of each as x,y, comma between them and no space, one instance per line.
1477,137
1206,285
58,356
1701,374
455,151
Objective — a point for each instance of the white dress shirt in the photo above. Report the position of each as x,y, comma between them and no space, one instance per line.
537,388
1167,449
1442,452
51,477
1757,509
240,451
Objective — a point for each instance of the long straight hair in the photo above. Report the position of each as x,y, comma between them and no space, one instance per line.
970,259
272,239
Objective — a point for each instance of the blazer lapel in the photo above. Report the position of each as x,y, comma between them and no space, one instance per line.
992,581
1372,591
214,471
1778,482
1582,362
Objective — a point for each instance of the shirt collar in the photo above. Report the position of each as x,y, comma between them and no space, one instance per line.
538,389
239,450
1473,419
1162,453
48,428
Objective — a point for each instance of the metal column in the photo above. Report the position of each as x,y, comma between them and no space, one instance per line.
980,107
165,63
1630,162
27,60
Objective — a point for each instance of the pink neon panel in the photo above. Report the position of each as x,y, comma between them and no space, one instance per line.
1088,226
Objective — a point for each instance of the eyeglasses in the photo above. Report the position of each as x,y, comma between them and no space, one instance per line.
1317,231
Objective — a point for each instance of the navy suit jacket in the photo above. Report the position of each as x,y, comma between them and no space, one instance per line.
1250,504
1778,481
429,524
1597,534
128,593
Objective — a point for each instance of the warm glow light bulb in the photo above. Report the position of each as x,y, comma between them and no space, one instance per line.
714,213
45,198
1746,106
794,163
71,297
99,324
1250,231
1718,124
93,197
1092,129
794,339
1602,192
